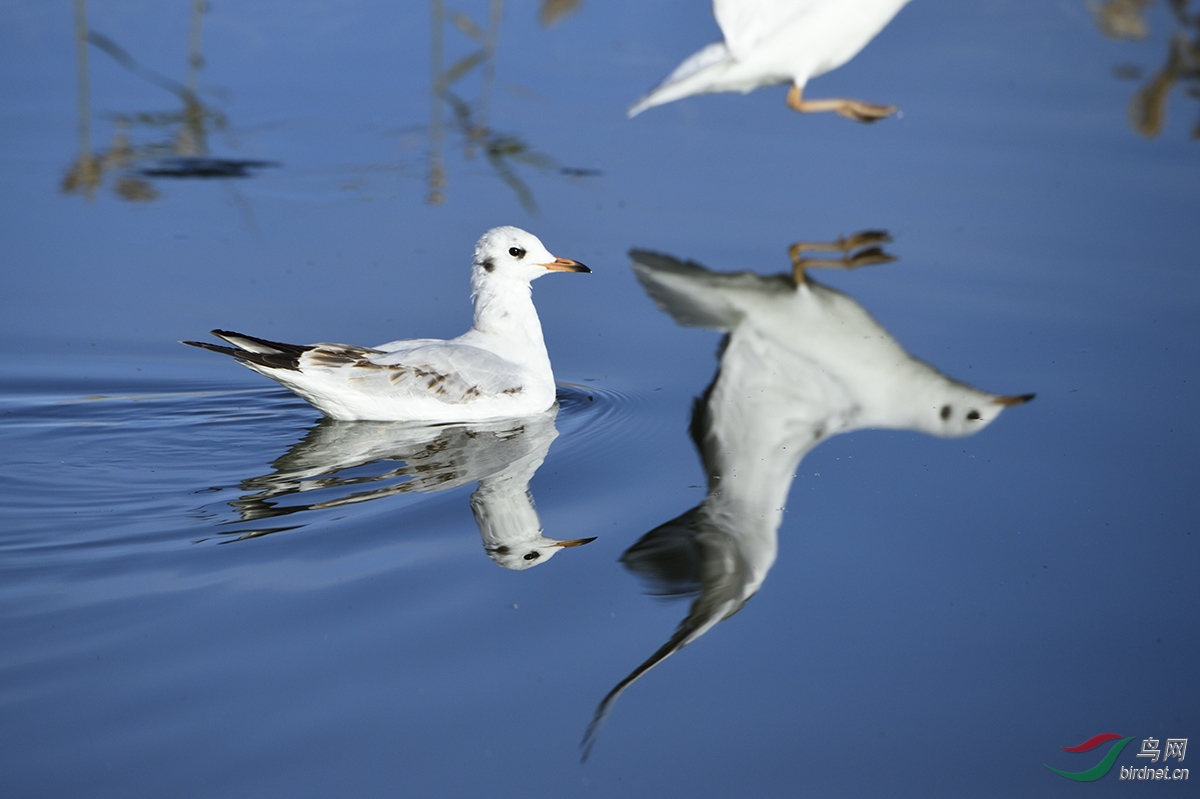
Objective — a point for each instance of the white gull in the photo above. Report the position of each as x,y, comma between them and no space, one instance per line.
768,42
499,368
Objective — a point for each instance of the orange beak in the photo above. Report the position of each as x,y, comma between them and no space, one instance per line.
578,542
566,265
1016,399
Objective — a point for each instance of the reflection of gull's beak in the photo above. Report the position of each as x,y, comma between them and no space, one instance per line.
566,265
1015,399
577,542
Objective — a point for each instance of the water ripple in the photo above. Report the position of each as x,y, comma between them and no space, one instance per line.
590,413
151,466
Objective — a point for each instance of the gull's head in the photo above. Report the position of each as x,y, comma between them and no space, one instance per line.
523,555
962,410
510,527
509,253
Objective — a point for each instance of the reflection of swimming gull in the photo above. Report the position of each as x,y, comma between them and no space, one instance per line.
768,42
499,368
801,362
333,462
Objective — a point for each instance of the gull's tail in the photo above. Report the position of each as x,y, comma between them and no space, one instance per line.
697,297
700,74
255,351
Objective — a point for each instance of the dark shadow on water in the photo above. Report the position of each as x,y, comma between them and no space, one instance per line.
800,363
201,167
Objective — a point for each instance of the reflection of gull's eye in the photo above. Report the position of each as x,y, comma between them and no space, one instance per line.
532,555
516,252
973,416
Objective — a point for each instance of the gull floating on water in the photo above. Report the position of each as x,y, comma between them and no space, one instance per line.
499,368
768,42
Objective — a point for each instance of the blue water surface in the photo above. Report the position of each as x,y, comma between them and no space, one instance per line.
208,591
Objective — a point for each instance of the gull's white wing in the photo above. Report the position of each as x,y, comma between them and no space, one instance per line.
810,37
444,371
746,24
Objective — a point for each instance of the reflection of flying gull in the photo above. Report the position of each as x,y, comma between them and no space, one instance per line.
499,368
331,467
768,42
801,362
838,369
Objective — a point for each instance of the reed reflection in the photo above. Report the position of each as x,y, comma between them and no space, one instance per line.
505,153
179,147
800,363
555,11
1126,19
345,463
769,42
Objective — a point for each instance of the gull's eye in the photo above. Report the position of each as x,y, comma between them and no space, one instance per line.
516,252
529,555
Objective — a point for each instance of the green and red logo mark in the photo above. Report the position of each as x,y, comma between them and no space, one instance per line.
1100,769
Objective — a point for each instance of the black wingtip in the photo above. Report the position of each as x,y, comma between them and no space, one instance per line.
204,345
271,360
